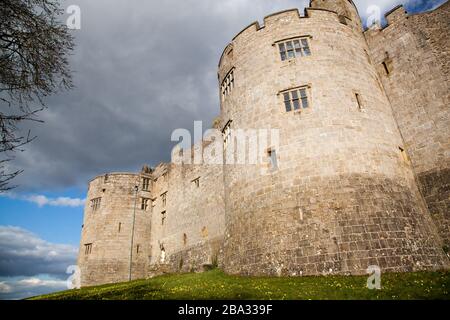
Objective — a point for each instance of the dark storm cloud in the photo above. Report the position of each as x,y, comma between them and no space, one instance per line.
142,69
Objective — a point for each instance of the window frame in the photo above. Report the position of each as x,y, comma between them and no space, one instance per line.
296,97
300,51
227,85
96,204
146,183
145,203
88,248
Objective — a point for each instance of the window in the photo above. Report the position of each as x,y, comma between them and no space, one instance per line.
88,248
164,199
358,100
296,99
294,48
145,184
95,203
163,217
196,182
184,238
386,67
227,84
404,155
137,248
120,226
226,134
144,204
153,203
106,178
343,20
272,154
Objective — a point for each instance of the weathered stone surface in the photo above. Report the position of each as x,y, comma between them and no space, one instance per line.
417,50
357,184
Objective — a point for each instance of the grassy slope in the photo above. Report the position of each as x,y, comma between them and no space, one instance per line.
216,285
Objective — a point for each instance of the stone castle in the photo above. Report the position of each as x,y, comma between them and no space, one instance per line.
362,173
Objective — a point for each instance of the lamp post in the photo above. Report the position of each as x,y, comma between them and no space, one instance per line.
136,189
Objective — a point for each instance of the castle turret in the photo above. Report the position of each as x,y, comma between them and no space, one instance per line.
346,9
342,195
116,229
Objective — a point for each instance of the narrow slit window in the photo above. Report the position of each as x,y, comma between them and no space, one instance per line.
358,101
138,247
164,199
120,226
386,68
163,217
272,154
404,154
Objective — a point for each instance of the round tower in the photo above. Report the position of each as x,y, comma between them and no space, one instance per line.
116,229
342,196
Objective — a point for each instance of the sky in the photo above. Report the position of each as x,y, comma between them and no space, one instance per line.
141,69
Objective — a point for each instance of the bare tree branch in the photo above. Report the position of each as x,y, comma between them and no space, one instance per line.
34,51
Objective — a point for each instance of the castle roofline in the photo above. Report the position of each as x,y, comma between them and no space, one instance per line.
257,26
114,174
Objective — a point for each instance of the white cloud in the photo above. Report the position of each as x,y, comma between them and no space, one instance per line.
37,282
22,253
42,200
5,288
13,288
30,266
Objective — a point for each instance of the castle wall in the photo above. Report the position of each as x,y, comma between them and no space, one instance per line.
192,232
343,197
344,194
109,230
415,50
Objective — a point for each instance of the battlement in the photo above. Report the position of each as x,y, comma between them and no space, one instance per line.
278,20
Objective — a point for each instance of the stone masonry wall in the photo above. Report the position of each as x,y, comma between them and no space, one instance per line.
192,232
411,56
109,230
358,171
343,197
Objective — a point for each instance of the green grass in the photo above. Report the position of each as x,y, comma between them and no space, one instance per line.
215,284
